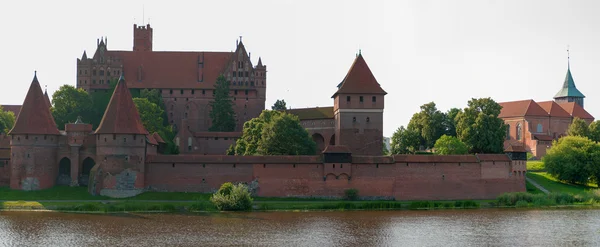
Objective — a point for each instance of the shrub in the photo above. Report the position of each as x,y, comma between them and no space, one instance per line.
522,204
232,197
420,205
574,159
351,194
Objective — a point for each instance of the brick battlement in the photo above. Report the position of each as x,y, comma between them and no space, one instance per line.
231,159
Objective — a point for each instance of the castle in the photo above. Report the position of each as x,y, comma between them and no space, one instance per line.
534,125
121,159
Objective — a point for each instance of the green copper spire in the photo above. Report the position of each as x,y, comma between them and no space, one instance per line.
568,89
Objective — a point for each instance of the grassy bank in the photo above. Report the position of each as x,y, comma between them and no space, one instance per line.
81,193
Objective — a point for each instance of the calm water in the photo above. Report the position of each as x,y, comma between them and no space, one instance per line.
394,228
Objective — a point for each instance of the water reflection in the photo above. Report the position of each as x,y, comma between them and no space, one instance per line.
392,228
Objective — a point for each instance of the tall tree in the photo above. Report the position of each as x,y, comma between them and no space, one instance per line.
479,127
429,123
221,112
594,131
7,121
448,145
69,103
279,105
574,159
405,141
100,99
449,122
150,114
154,96
578,128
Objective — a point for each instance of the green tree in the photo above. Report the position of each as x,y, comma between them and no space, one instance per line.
385,150
449,123
221,112
274,133
150,114
447,145
100,99
69,103
574,159
594,131
405,141
279,105
7,121
479,127
578,128
429,123
232,197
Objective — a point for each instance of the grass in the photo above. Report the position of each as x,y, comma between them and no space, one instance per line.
532,189
81,193
535,165
553,185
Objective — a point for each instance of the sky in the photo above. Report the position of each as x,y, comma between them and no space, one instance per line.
419,51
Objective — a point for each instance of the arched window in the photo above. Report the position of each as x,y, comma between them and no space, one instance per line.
540,128
519,130
508,132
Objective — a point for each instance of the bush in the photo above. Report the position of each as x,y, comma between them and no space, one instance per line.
351,194
521,204
232,197
574,159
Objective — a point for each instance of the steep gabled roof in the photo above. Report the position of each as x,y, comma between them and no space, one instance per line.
121,115
569,89
312,113
35,117
521,108
158,138
554,109
164,69
359,79
576,110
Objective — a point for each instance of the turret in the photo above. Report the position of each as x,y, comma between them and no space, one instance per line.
358,110
120,148
142,38
568,92
34,143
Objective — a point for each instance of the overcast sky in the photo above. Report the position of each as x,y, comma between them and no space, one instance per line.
419,51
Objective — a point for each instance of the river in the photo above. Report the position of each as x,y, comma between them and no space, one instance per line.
484,227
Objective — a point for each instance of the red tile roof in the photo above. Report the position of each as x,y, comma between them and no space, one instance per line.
493,157
172,69
35,117
516,149
553,109
521,108
47,98
13,108
360,79
576,110
121,115
542,137
340,149
151,139
312,113
158,138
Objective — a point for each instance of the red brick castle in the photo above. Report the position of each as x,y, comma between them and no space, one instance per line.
120,158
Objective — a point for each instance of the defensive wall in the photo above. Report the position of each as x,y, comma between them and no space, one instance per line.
401,177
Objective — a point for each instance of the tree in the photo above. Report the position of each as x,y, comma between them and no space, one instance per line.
100,99
279,105
405,141
69,103
232,197
385,150
578,128
274,133
447,145
150,114
449,122
221,112
594,131
574,159
7,121
479,127
428,123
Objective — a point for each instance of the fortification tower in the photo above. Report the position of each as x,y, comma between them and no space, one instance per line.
568,92
34,143
120,148
142,38
358,110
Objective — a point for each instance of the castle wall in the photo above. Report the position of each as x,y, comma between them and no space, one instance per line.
33,162
401,178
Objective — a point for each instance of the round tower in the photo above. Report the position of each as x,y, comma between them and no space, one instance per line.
34,143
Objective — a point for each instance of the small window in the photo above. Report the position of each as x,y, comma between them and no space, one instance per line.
246,91
246,74
374,99
368,119
181,91
540,128
354,119
171,91
508,132
360,99
347,98
235,92
192,91
519,131
124,139
233,73
203,91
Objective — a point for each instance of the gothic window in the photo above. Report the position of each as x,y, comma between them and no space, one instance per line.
246,83
233,73
101,72
246,73
519,130
240,73
252,83
93,72
540,128
508,132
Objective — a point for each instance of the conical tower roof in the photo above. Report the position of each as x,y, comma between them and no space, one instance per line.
47,98
569,89
35,117
121,115
359,80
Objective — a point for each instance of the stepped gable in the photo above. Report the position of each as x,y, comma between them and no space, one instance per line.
121,115
312,113
35,117
554,109
166,69
521,108
359,80
576,110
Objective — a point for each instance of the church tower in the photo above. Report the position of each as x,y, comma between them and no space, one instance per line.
120,148
358,110
568,92
34,143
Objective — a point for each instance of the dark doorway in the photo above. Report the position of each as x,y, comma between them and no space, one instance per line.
86,168
64,172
